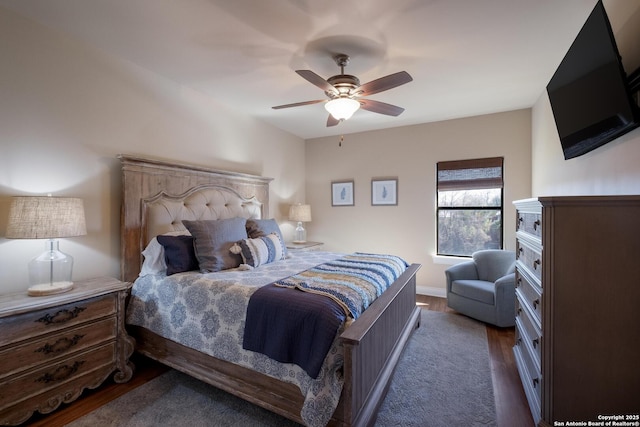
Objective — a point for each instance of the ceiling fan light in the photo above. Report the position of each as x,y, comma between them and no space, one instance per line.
342,108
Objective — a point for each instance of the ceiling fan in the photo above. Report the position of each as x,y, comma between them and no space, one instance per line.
345,91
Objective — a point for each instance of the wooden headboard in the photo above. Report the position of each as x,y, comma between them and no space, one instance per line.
158,195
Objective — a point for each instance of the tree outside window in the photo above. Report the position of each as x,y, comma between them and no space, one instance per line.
469,206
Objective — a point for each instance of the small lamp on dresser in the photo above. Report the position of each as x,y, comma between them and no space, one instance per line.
300,213
34,217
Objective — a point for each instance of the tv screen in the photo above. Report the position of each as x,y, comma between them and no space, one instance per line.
589,94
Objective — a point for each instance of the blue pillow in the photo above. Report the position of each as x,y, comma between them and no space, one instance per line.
179,254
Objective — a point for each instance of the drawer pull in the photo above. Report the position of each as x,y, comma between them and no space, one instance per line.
61,373
63,344
536,224
536,263
536,342
518,282
535,303
535,382
61,316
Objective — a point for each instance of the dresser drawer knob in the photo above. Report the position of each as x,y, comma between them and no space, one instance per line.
535,303
535,382
536,342
61,373
518,282
536,263
62,344
536,224
61,316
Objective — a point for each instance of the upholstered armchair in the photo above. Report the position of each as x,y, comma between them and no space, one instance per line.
484,288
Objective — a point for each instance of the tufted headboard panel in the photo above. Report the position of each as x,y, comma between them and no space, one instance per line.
157,196
164,212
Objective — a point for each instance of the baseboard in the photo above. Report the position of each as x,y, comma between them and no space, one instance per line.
431,291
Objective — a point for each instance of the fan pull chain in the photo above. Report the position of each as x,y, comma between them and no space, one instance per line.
341,139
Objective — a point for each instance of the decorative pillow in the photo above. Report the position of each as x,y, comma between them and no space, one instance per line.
212,241
154,262
263,227
261,250
179,254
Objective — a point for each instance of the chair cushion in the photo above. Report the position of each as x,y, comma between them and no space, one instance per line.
477,290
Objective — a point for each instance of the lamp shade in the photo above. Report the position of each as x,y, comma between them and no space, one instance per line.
34,217
342,108
300,213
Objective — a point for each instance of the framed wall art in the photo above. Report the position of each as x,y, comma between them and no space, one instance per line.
342,193
384,191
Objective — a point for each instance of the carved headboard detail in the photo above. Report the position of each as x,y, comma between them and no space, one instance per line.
158,195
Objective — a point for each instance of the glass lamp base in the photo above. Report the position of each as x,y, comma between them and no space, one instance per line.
300,235
50,273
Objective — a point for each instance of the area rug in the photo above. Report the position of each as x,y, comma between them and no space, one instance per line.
443,379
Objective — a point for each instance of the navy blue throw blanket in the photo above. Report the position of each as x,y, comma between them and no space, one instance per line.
292,326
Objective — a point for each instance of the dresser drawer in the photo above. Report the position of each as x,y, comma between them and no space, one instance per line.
27,325
530,223
531,379
57,345
40,380
530,294
529,258
529,334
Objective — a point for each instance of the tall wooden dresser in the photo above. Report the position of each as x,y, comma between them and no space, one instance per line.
52,348
578,307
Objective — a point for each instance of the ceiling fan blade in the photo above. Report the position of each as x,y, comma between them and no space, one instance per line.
332,121
298,104
315,79
380,107
384,83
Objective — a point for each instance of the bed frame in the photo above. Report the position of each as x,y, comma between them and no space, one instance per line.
372,344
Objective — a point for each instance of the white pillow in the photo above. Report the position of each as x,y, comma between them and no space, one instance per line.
154,262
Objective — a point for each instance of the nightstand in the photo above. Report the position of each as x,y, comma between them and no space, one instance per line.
54,347
306,246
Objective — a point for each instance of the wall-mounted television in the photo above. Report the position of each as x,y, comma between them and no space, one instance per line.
589,93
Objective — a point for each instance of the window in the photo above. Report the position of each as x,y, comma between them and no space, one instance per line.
469,206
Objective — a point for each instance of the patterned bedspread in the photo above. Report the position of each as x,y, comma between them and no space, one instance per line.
206,312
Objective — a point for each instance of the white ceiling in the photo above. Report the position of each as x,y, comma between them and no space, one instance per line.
467,57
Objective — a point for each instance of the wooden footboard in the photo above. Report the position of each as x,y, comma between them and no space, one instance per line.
372,345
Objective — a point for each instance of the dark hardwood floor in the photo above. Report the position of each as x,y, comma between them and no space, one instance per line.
511,404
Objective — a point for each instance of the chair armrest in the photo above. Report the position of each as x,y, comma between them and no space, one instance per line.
506,284
463,271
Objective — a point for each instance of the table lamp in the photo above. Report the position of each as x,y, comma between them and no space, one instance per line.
34,217
300,213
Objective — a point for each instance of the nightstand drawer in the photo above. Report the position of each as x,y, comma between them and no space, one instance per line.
53,346
51,376
27,325
530,295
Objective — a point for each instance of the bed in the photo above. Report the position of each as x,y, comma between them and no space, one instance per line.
158,196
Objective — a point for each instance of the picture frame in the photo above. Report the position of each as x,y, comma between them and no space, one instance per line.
384,192
342,193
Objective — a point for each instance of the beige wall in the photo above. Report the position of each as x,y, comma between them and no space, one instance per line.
610,169
410,154
67,110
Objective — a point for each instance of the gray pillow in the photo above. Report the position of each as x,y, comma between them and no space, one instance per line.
212,240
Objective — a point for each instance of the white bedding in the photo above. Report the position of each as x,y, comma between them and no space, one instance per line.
206,312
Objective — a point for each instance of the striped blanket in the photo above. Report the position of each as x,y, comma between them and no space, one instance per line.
353,281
